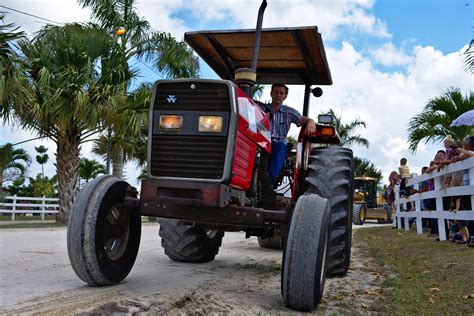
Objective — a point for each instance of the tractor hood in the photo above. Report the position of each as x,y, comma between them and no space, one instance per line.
293,55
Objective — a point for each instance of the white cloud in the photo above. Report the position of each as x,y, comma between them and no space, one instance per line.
160,16
55,10
329,16
389,55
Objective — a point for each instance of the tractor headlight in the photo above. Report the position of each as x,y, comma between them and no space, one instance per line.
171,122
211,124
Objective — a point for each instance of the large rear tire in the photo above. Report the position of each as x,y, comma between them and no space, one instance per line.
330,174
270,242
359,214
103,236
304,259
189,242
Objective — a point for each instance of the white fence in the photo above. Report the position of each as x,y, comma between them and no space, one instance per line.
438,193
29,205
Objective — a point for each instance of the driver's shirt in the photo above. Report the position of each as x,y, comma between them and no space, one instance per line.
281,120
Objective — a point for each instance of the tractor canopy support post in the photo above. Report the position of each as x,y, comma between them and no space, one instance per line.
307,91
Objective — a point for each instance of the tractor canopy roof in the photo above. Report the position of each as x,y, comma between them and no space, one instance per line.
293,55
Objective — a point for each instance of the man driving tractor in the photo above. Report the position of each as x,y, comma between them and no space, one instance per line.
281,117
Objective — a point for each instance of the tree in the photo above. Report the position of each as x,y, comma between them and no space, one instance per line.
469,58
347,131
89,169
18,188
10,74
132,124
43,186
137,40
365,168
37,187
13,163
42,158
67,94
433,122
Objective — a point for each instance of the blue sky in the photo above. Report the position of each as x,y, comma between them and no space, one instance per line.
440,23
388,58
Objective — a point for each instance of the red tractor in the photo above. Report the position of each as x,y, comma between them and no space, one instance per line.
208,150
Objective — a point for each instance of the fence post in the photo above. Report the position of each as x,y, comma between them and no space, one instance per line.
439,210
14,208
397,197
419,224
43,201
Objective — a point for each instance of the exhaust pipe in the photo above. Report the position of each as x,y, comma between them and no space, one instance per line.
245,78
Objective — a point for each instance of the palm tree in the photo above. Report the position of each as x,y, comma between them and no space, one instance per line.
10,74
433,122
129,142
42,158
137,40
89,169
13,163
69,97
469,58
363,167
347,131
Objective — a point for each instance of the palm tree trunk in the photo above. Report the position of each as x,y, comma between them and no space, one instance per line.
117,164
67,167
1,182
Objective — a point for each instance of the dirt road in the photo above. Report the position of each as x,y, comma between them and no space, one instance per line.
36,277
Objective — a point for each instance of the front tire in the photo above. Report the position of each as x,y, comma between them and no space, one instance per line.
103,236
304,258
359,214
331,175
189,242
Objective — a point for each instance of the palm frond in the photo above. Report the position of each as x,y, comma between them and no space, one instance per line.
432,124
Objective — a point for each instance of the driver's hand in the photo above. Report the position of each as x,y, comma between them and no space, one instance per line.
310,127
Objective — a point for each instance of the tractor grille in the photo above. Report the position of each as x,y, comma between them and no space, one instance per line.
206,96
189,153
188,156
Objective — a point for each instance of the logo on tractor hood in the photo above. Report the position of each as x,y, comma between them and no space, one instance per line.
171,98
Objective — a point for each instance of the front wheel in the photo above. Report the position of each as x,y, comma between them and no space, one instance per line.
359,214
304,258
103,236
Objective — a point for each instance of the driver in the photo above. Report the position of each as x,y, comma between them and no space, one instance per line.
281,117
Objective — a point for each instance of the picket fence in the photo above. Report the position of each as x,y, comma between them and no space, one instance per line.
440,214
29,205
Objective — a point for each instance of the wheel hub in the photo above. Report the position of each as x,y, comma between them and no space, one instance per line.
116,232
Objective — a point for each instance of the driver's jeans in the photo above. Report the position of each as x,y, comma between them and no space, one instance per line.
277,159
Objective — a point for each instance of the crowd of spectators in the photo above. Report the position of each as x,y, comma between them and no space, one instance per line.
459,231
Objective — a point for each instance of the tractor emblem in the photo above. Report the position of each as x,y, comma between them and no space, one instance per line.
171,98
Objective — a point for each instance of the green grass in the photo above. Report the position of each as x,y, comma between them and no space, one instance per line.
425,276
